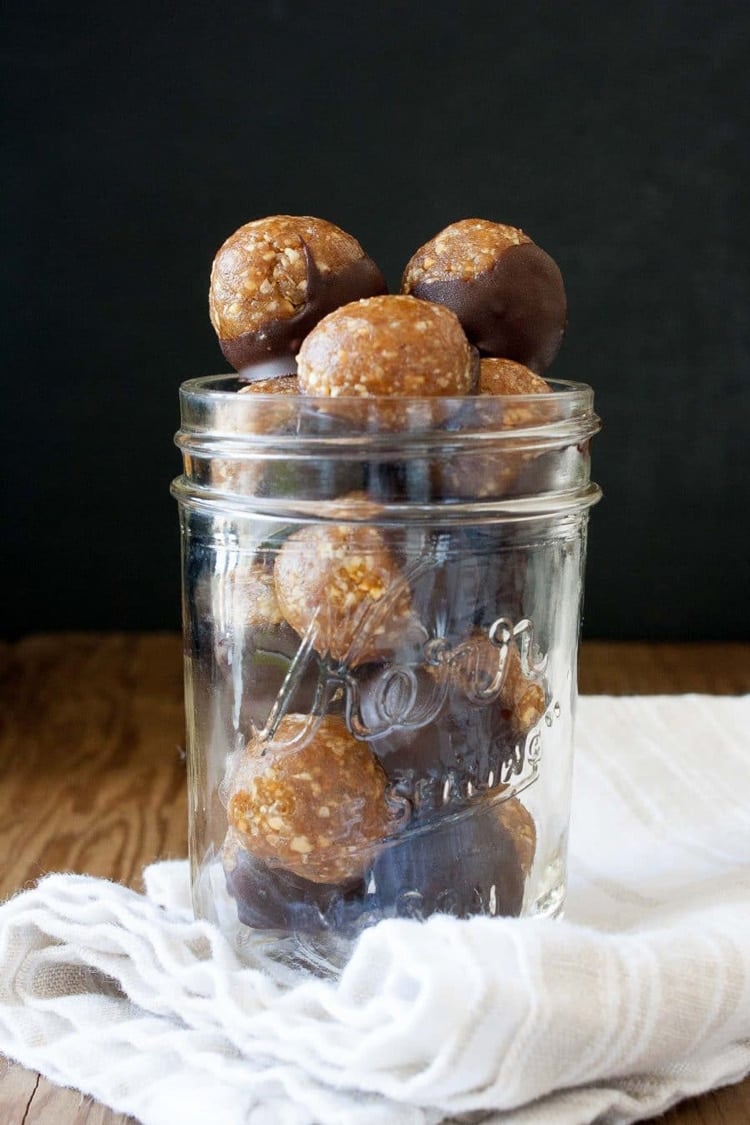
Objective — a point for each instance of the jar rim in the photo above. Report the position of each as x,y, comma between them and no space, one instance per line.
215,416
525,455
210,385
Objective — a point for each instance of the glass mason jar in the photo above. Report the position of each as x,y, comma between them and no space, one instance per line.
381,615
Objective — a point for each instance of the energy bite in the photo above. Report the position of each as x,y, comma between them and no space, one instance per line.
521,698
312,800
506,291
390,345
481,707
523,400
475,863
342,584
499,376
273,280
519,822
272,898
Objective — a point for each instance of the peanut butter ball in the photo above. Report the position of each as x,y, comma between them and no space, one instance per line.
463,865
519,824
506,291
390,345
506,377
342,584
270,898
521,698
526,401
273,280
312,800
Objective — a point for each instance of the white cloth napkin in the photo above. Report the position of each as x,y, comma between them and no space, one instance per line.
639,998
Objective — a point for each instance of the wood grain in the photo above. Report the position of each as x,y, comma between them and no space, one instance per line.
92,779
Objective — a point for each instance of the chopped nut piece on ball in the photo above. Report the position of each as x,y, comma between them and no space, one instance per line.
507,293
342,582
392,345
312,800
273,280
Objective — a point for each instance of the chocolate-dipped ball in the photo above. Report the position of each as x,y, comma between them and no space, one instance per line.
273,280
392,345
270,898
521,699
340,585
234,413
475,742
461,865
312,800
506,291
510,379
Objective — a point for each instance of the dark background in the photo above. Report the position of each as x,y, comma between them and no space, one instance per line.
138,137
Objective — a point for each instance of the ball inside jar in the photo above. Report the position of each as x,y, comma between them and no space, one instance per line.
340,585
312,800
475,863
270,898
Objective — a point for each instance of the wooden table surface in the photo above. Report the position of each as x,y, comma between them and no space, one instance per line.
92,779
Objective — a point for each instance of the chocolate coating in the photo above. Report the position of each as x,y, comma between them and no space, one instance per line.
462,865
272,898
516,309
279,337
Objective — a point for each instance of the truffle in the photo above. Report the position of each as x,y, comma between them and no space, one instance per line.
341,585
393,346
270,898
274,385
499,376
510,397
521,698
461,865
273,280
312,800
506,291
476,742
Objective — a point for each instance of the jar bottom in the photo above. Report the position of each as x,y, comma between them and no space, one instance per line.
285,955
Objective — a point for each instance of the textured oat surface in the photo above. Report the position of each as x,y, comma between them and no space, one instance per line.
260,272
463,250
342,584
390,345
312,801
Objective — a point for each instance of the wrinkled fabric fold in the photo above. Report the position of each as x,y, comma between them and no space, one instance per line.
639,997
